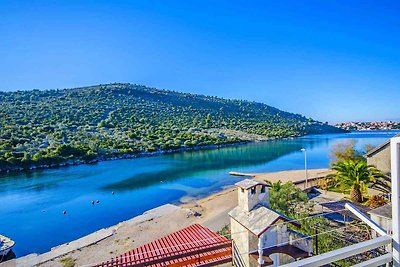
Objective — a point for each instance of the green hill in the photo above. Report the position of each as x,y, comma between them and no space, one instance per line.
97,122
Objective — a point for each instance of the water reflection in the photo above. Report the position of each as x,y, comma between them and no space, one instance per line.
189,163
35,200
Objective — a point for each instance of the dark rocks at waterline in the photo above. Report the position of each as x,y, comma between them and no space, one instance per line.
123,156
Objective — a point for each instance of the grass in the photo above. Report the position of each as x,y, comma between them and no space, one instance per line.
225,231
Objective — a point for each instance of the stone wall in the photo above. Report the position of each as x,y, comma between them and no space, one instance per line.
241,238
243,199
301,241
248,199
283,236
381,160
385,223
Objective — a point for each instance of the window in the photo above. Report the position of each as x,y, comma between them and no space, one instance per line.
242,190
253,190
263,189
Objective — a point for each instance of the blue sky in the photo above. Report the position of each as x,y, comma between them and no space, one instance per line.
331,60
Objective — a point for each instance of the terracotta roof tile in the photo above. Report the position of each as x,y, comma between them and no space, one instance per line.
189,246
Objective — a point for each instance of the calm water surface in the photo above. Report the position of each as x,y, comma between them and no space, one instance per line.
32,204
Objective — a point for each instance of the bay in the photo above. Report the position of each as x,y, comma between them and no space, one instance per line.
32,204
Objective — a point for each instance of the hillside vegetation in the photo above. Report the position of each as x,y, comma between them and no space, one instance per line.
93,123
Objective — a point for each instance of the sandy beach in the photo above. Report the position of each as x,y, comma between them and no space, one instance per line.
211,211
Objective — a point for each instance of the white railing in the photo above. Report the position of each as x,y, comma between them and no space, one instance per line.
342,253
395,173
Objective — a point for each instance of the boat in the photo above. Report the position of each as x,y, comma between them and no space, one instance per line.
6,245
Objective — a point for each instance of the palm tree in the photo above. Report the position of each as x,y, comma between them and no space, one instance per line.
354,173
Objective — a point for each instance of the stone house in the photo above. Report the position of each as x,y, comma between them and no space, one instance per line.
383,217
260,235
380,157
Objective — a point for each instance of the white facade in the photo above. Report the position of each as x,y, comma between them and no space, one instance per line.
255,227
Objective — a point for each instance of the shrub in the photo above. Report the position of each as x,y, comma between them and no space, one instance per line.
67,262
375,201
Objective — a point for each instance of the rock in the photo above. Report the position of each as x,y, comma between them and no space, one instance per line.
193,213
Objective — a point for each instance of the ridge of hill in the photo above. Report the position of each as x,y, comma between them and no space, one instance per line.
53,127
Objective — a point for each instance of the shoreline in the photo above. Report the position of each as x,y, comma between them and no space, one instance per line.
77,162
102,158
210,211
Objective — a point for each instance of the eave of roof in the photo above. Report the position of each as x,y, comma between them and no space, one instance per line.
378,148
383,211
259,219
249,183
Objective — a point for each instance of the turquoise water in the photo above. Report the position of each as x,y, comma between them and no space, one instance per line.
32,204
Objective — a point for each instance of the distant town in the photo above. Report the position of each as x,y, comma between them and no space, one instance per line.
375,125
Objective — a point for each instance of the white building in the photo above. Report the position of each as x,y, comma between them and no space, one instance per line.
259,235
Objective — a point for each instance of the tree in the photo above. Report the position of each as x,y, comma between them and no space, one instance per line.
127,118
285,197
368,147
345,151
355,174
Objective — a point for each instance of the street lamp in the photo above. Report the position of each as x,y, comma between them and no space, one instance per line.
305,165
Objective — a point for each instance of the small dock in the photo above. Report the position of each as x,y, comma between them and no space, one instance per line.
312,181
242,174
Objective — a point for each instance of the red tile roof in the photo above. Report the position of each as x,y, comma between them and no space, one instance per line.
191,246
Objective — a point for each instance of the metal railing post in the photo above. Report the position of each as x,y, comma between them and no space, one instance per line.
395,173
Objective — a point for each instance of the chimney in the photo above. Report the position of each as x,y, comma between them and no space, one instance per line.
252,193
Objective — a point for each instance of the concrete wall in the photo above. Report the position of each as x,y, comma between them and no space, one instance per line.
385,223
381,160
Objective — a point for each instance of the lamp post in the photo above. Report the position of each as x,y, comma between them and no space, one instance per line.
305,165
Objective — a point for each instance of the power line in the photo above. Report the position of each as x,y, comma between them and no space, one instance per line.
285,243
227,235
213,238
